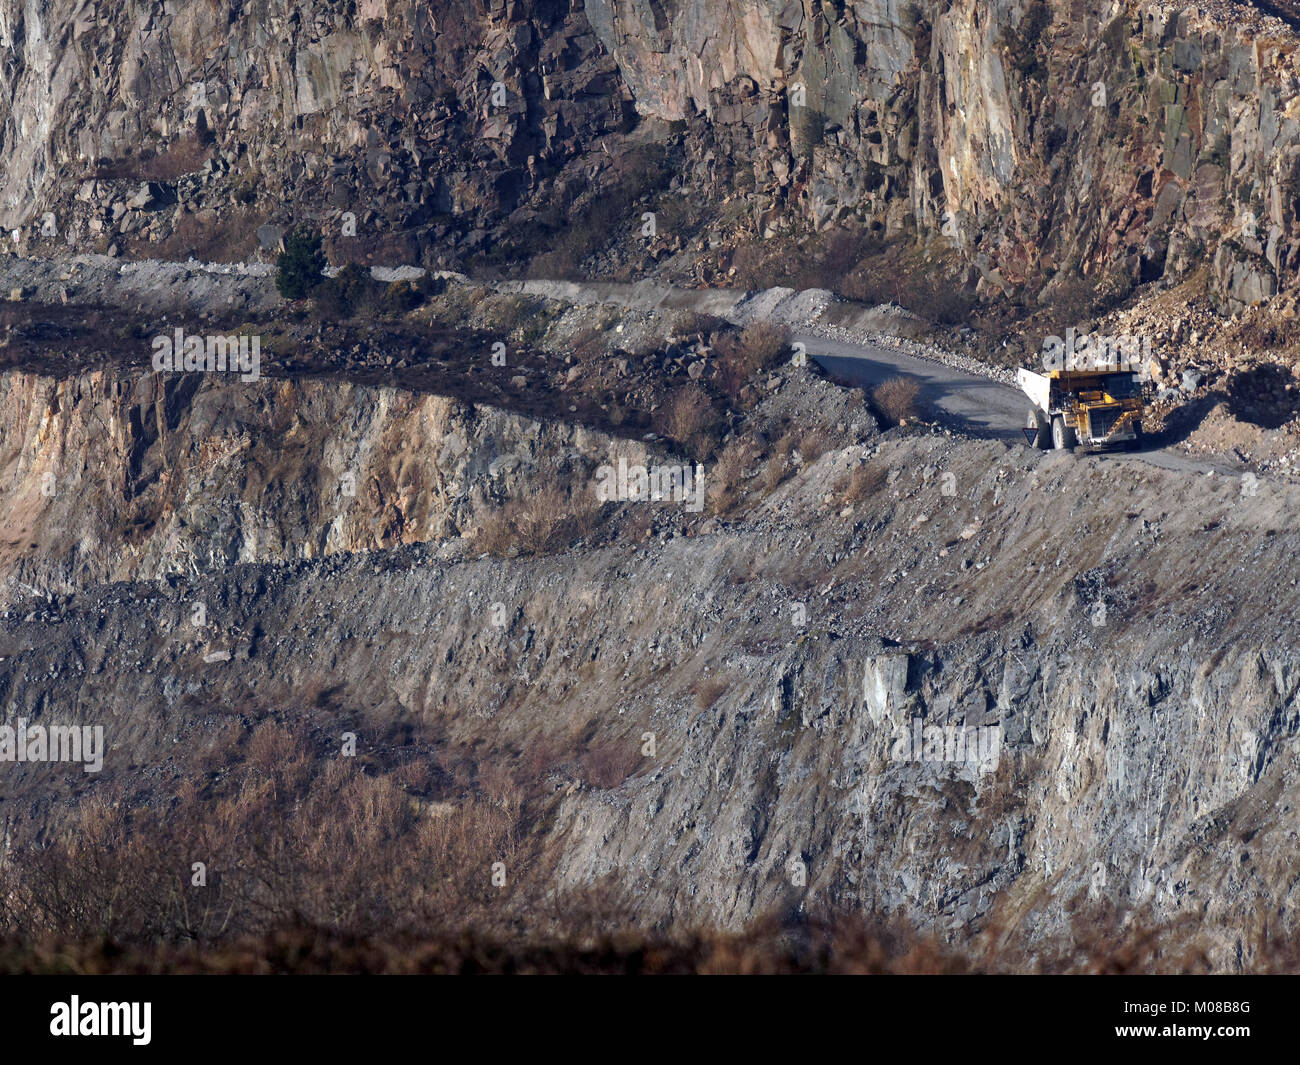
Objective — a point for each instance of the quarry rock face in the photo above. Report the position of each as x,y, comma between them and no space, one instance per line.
1076,737
1126,138
398,113
137,476
1057,693
1121,142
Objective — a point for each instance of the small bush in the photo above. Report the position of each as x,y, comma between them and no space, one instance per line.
558,265
776,471
763,344
299,267
543,522
863,482
896,398
730,472
689,419
351,290
694,323
732,379
609,764
780,462
813,445
923,291
401,297
743,355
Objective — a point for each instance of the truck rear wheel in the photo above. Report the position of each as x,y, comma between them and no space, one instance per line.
1062,435
1042,431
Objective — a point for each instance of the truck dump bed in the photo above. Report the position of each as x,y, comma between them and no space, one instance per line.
1035,386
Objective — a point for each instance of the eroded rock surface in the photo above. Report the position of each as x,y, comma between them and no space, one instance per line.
1036,142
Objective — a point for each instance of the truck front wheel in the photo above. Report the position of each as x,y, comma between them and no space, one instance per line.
1062,435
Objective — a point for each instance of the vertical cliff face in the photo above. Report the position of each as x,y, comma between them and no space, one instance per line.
398,112
1035,141
683,741
122,476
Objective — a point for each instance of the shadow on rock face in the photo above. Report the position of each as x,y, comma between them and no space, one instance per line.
1267,396
1185,420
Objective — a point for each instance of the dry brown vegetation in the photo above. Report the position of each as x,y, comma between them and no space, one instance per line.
813,445
579,221
746,457
688,418
844,944
230,238
895,399
286,836
859,265
741,356
731,471
607,765
772,946
698,323
780,463
708,690
185,156
862,482
319,863
546,519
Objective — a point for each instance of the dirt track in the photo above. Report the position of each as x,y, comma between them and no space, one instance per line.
857,344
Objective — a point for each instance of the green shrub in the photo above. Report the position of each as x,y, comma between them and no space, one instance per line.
298,268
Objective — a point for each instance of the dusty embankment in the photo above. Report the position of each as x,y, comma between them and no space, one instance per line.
1129,638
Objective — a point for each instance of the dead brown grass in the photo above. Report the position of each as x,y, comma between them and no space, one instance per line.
780,463
708,690
688,419
861,483
895,399
770,945
731,472
185,156
540,522
813,445
742,356
286,836
609,764
232,237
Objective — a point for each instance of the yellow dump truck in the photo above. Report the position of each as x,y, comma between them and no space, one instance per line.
1094,408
